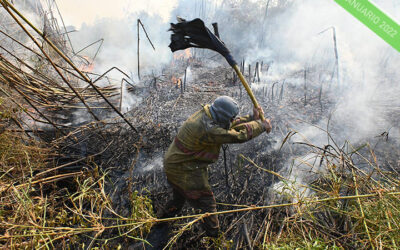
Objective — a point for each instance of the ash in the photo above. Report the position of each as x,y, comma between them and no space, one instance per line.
134,160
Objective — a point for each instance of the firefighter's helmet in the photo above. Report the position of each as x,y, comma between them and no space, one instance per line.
223,110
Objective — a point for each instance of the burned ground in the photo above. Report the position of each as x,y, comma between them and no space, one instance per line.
82,153
134,162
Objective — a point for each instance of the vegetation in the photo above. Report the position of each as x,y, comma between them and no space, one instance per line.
345,207
352,203
43,208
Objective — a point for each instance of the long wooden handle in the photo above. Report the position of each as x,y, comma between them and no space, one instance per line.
248,89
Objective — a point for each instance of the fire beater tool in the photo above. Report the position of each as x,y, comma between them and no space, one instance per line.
187,34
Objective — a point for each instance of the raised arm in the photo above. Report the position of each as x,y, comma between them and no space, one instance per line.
237,134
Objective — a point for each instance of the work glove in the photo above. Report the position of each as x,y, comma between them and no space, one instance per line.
267,125
256,116
256,112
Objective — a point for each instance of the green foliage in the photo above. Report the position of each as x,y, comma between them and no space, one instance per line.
315,244
4,113
142,209
221,242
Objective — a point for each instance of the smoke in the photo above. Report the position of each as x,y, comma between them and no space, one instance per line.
293,35
115,23
128,100
189,75
367,91
120,44
152,163
295,187
89,12
287,33
366,64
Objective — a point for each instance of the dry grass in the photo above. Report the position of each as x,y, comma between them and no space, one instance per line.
48,209
43,206
345,207
361,221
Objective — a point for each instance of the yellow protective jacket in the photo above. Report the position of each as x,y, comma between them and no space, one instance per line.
198,143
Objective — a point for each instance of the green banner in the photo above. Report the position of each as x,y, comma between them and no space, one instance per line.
375,19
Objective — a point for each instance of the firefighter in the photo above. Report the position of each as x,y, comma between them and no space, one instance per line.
196,146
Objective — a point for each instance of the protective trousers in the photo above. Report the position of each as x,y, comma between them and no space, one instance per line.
205,202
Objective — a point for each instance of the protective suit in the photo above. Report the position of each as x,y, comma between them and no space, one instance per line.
196,146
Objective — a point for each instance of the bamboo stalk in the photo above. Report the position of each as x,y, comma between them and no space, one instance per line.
336,56
145,32
257,72
22,108
246,236
224,148
197,216
184,79
362,210
181,85
6,4
137,51
305,87
249,73
50,179
263,24
65,28
336,69
40,113
272,91
29,67
281,93
252,208
35,108
390,228
42,57
120,99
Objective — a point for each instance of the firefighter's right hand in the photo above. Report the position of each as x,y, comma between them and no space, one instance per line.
267,125
257,111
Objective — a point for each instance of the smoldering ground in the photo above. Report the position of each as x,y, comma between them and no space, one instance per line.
359,93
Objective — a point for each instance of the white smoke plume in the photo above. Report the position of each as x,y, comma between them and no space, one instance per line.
368,91
287,33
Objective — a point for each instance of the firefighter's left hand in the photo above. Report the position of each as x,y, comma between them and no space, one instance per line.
256,112
267,125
